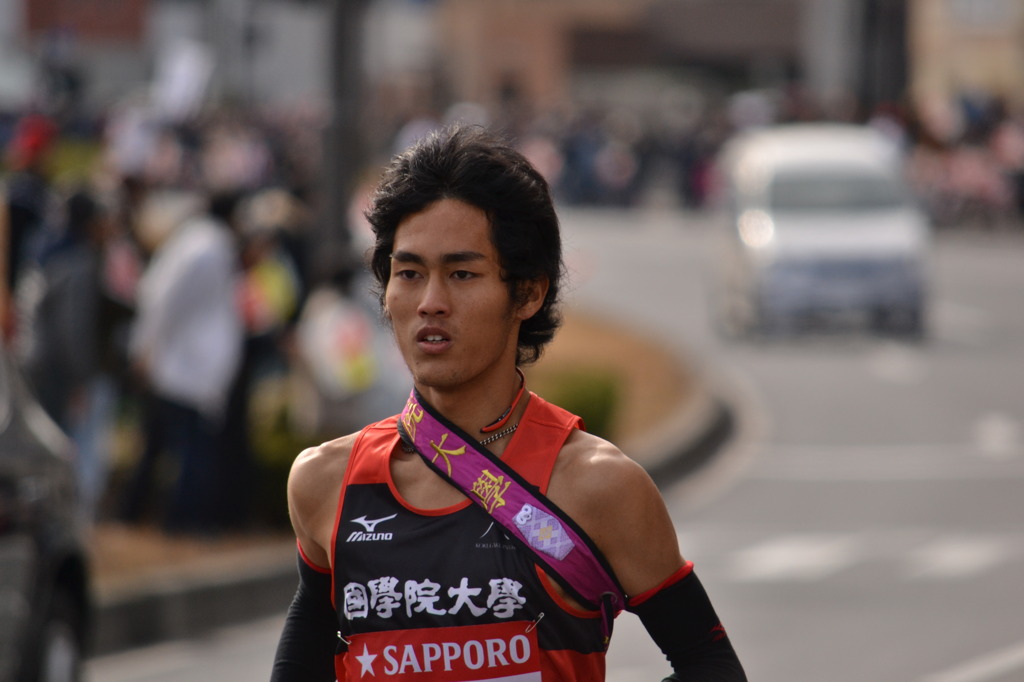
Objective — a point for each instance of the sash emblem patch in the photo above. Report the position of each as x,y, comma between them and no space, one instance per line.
543,532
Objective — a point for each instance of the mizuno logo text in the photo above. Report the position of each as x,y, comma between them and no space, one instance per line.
369,532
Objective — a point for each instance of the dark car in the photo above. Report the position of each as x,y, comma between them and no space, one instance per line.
44,593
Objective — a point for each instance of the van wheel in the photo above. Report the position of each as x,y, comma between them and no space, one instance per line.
913,325
57,654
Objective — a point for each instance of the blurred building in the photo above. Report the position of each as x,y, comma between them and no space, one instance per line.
586,49
74,46
120,21
967,47
542,53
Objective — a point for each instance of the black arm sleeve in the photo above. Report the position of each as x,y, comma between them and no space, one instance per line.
305,652
682,622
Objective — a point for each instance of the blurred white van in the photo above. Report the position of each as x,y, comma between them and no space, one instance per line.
817,223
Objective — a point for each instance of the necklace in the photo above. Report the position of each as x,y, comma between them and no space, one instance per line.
486,441
497,423
500,434
500,421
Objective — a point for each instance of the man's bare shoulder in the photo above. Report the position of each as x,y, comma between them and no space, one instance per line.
595,465
593,478
615,501
314,486
320,465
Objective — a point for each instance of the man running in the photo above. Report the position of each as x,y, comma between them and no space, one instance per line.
403,575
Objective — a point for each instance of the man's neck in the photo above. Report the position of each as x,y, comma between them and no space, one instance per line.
473,408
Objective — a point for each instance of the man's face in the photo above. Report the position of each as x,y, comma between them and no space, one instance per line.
451,312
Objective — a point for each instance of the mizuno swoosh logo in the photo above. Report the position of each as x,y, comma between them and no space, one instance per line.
370,524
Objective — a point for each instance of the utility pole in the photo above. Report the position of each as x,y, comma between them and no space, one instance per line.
884,58
344,149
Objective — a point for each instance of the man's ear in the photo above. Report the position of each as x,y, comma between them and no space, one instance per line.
533,293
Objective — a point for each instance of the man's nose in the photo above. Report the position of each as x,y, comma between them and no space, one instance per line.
435,300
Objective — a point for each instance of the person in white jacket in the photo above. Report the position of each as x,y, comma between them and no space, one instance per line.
185,347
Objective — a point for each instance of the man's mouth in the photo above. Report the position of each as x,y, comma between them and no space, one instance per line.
432,338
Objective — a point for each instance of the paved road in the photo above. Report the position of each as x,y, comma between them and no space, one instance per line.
867,522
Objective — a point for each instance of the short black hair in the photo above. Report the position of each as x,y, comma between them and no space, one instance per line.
482,169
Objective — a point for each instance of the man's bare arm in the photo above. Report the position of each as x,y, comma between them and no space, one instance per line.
314,486
309,641
620,507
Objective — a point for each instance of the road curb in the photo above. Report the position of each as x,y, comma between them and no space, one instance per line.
689,456
686,438
193,602
190,607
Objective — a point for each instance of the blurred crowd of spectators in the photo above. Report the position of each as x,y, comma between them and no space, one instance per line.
965,162
964,159
170,277
165,281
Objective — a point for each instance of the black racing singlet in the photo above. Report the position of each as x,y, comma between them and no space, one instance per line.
442,595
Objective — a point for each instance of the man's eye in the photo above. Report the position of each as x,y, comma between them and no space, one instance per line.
462,274
406,274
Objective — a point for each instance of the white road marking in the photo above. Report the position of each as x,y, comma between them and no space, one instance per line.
919,554
794,557
998,436
898,364
633,673
882,463
182,658
985,668
143,663
951,558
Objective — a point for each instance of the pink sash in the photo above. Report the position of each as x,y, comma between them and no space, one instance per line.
529,517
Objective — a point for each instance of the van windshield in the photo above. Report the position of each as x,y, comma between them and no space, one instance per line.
834,191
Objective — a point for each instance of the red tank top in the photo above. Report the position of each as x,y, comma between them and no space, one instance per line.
442,595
